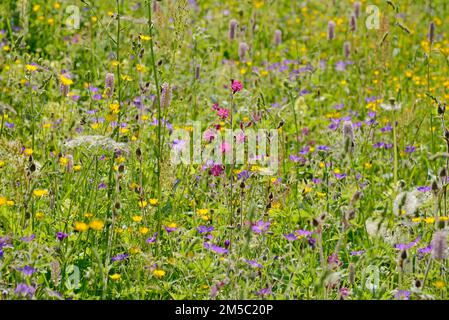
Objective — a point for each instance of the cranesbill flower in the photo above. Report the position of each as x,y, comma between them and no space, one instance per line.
260,226
152,239
215,248
61,235
205,229
410,149
253,263
23,289
264,292
406,246
27,270
290,237
29,238
357,253
424,188
303,233
171,227
120,257
402,295
439,245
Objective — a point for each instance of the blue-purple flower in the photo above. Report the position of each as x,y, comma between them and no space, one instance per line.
260,226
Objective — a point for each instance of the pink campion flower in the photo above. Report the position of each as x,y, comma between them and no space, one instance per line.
216,170
225,147
223,113
209,135
236,86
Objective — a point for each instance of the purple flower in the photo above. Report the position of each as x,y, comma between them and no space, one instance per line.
357,253
27,270
304,150
170,229
387,128
410,149
260,226
339,106
340,66
424,188
205,229
406,246
316,180
290,237
378,145
425,250
120,257
402,295
23,289
152,239
215,248
227,243
29,238
101,186
1,253
61,235
311,241
244,174
323,148
303,233
264,292
340,176
253,263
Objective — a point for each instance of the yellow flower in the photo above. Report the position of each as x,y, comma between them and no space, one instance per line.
439,284
153,202
115,277
6,48
429,220
77,167
40,215
36,8
142,203
57,5
88,215
418,219
172,225
368,165
159,273
31,67
134,250
307,189
2,163
202,212
63,161
40,192
144,38
51,21
10,203
28,151
144,230
2,201
137,218
81,226
65,80
114,107
96,225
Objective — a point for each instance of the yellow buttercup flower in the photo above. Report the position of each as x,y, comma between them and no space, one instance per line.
31,67
137,218
40,192
144,38
144,230
153,201
65,80
159,273
143,203
81,226
115,276
40,215
96,225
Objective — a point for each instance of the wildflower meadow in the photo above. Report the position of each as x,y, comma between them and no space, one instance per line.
206,149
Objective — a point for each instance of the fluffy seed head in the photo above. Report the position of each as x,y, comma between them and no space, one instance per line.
232,29
277,37
331,30
243,48
439,245
109,84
